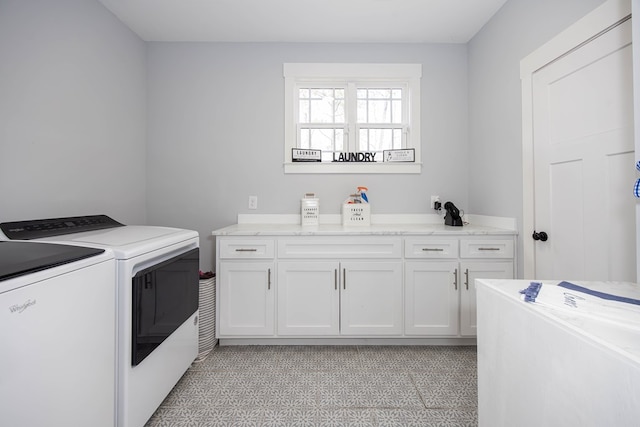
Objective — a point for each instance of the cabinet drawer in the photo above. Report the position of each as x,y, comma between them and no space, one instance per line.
486,248
246,249
430,248
332,247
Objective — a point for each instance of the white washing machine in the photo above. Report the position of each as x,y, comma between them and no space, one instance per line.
58,335
157,302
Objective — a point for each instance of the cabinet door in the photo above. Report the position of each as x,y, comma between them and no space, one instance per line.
371,298
431,298
308,298
247,298
472,271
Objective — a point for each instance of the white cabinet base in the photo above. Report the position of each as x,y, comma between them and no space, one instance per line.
380,288
346,341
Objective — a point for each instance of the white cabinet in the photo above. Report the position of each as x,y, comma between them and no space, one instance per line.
308,298
357,286
246,289
440,297
339,298
472,270
431,298
371,298
341,295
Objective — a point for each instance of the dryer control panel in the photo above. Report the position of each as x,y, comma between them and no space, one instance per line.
40,228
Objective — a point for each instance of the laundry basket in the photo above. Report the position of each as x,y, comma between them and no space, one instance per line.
207,325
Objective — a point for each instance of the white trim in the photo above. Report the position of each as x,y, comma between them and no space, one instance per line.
352,168
348,341
603,17
635,7
320,71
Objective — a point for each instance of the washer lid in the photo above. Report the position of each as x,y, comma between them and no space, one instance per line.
129,241
20,258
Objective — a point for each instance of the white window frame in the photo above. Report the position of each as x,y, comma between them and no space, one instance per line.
406,75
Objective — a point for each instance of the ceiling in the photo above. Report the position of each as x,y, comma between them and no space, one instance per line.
339,21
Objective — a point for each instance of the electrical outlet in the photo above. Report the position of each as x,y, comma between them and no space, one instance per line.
253,202
434,200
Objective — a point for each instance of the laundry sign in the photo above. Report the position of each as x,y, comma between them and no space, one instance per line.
359,156
406,155
306,155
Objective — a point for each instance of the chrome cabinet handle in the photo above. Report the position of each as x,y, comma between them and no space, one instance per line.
335,279
269,279
488,249
433,249
455,279
246,250
466,280
344,278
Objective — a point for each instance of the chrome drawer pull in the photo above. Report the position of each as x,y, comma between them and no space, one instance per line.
455,279
246,250
488,249
433,249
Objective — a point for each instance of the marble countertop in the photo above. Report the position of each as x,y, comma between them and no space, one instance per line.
621,337
371,230
381,225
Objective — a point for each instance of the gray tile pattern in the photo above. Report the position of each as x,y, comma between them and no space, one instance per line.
326,386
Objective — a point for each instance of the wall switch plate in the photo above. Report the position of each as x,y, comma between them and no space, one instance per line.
253,202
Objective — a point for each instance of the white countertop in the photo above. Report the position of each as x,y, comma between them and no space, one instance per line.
620,338
396,225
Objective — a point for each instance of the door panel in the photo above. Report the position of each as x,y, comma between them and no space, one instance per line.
308,298
248,294
371,298
584,162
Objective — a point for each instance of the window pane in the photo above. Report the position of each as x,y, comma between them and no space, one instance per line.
327,140
379,93
379,105
339,140
377,140
362,111
397,139
339,111
304,138
304,111
321,105
379,112
396,111
322,139
363,140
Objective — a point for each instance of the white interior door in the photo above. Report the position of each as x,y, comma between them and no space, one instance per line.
583,161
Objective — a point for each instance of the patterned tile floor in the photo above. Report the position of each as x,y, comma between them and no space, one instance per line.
326,386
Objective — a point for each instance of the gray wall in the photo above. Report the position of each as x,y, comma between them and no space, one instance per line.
216,133
94,120
72,112
495,120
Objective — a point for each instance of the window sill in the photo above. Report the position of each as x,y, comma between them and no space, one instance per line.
353,168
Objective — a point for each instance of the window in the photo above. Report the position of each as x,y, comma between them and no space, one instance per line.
351,114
